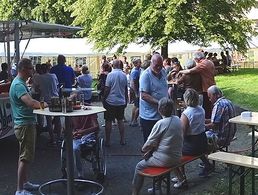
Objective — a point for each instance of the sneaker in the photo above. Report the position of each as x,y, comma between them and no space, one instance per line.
201,165
30,186
181,184
150,191
206,171
175,180
23,192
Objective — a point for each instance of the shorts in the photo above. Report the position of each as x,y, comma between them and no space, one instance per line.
195,144
26,135
114,112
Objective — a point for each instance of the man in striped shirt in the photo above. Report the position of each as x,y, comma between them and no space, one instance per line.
222,111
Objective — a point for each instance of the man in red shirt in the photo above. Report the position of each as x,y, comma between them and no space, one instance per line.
206,69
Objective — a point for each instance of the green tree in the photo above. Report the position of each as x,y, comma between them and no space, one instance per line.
54,11
111,22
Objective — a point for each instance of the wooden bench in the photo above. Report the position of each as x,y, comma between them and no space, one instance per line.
162,174
235,67
239,160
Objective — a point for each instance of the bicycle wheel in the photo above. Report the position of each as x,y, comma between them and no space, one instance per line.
63,160
101,168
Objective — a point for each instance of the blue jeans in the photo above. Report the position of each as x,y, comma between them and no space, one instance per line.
77,155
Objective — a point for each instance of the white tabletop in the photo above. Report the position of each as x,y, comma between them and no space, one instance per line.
81,112
253,120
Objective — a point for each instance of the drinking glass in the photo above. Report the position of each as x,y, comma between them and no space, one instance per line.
82,99
41,105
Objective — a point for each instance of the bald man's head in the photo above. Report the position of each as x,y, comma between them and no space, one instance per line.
116,64
156,63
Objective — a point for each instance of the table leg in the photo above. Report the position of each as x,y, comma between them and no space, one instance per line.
253,155
69,156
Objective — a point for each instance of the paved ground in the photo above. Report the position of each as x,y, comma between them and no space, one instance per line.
121,161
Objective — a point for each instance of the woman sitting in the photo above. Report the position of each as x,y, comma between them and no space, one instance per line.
195,140
165,140
83,127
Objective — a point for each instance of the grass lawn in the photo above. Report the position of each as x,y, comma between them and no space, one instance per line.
241,87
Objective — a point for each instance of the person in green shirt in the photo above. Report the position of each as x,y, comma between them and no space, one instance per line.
24,124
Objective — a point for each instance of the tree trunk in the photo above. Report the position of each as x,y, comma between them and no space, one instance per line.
164,51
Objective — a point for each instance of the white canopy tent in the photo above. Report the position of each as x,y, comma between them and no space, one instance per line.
68,47
80,47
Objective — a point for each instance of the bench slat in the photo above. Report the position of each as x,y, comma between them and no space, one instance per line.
157,171
235,159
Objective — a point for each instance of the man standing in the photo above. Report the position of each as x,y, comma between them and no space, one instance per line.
229,59
65,74
47,84
85,81
207,71
153,87
222,111
115,100
4,72
134,86
24,124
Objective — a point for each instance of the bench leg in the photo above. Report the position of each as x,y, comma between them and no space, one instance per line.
154,185
242,181
168,184
253,181
229,179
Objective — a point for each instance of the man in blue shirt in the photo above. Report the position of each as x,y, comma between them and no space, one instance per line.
65,74
85,81
153,87
134,86
115,100
24,124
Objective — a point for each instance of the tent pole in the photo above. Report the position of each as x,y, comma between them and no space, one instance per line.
16,42
8,49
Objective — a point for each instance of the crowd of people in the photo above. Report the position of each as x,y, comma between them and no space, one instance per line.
153,86
154,90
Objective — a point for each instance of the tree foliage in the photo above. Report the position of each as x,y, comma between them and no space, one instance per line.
112,22
54,11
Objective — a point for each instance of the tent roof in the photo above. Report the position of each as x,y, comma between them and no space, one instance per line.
68,47
34,29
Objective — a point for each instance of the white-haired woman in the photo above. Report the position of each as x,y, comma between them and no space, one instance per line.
195,140
165,140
